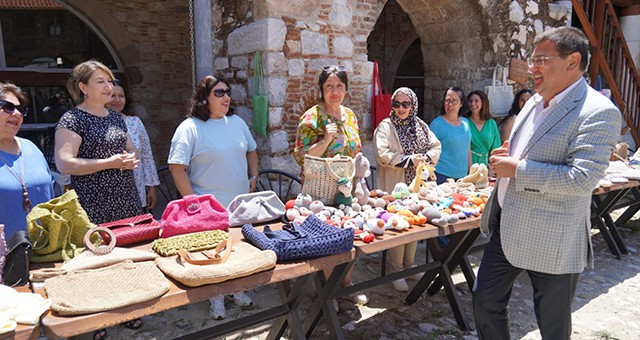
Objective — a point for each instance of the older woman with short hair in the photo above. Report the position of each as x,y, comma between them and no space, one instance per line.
20,189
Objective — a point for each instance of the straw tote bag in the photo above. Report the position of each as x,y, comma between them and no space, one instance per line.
500,96
321,176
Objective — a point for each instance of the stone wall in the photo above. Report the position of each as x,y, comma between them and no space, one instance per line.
461,42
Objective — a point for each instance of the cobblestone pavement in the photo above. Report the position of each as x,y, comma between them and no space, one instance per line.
606,306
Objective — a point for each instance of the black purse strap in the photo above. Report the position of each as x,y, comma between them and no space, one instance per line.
291,231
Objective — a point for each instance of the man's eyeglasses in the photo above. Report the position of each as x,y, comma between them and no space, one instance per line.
219,93
334,68
396,104
9,108
540,60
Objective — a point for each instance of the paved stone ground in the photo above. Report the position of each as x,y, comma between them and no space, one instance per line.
606,306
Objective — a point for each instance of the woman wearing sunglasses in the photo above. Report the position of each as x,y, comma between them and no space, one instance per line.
401,142
484,131
20,188
452,129
328,128
146,175
213,152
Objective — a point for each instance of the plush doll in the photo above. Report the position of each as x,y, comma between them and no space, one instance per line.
478,175
344,194
360,190
423,175
400,191
303,200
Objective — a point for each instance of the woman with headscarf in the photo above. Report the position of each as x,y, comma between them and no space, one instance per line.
401,142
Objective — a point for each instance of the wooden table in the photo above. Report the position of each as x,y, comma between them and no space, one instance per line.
286,315
461,237
603,202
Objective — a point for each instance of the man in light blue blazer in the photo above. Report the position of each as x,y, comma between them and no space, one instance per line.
539,211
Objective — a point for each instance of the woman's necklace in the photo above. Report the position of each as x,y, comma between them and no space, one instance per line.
26,202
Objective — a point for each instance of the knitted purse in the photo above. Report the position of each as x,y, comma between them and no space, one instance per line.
57,228
99,290
191,242
245,260
312,238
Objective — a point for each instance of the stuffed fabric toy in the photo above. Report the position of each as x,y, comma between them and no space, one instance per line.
360,190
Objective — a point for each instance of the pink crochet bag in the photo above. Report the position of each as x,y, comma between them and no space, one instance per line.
193,213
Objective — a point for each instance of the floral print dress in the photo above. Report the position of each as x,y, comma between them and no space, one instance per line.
311,129
106,195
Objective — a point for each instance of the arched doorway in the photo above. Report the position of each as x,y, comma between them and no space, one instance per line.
40,43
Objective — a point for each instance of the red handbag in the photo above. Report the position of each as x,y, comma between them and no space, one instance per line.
193,213
380,100
132,230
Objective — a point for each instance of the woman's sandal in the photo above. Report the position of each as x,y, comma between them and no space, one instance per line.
133,324
100,334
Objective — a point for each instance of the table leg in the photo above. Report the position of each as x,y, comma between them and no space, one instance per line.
598,210
323,306
632,209
291,298
457,257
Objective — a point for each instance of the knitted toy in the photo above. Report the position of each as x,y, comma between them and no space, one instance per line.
360,190
478,175
423,175
344,194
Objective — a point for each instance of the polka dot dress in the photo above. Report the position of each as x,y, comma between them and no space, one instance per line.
106,195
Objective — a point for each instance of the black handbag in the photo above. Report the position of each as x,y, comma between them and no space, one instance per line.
16,266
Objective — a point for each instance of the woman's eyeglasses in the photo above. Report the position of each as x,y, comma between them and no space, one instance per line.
451,101
219,93
396,104
334,68
9,108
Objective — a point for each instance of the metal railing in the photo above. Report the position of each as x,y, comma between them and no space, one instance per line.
610,58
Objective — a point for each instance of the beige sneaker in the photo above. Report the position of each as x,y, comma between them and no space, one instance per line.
400,285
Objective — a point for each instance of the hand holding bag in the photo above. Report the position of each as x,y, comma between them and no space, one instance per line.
132,230
256,207
16,265
312,238
193,213
321,176
500,96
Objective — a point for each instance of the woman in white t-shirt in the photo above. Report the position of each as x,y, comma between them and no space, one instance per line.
213,152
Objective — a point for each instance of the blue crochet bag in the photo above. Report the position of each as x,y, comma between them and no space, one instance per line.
312,238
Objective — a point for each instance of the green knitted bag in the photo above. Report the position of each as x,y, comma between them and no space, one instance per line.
57,228
199,241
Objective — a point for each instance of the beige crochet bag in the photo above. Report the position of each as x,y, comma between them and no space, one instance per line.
99,290
244,260
321,176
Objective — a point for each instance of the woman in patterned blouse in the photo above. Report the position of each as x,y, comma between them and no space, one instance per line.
329,128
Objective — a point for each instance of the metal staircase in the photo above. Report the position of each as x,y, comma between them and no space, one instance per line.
611,59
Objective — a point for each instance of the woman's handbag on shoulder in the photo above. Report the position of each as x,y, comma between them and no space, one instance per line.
313,238
255,207
57,228
132,230
321,176
16,265
193,213
500,96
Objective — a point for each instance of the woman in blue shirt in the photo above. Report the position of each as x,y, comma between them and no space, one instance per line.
20,188
452,130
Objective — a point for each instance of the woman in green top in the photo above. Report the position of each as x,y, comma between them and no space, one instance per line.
484,131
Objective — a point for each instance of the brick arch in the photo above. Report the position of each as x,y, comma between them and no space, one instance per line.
113,34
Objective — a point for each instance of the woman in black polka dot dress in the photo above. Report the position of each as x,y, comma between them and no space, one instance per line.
92,145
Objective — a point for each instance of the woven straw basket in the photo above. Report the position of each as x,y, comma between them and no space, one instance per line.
321,176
